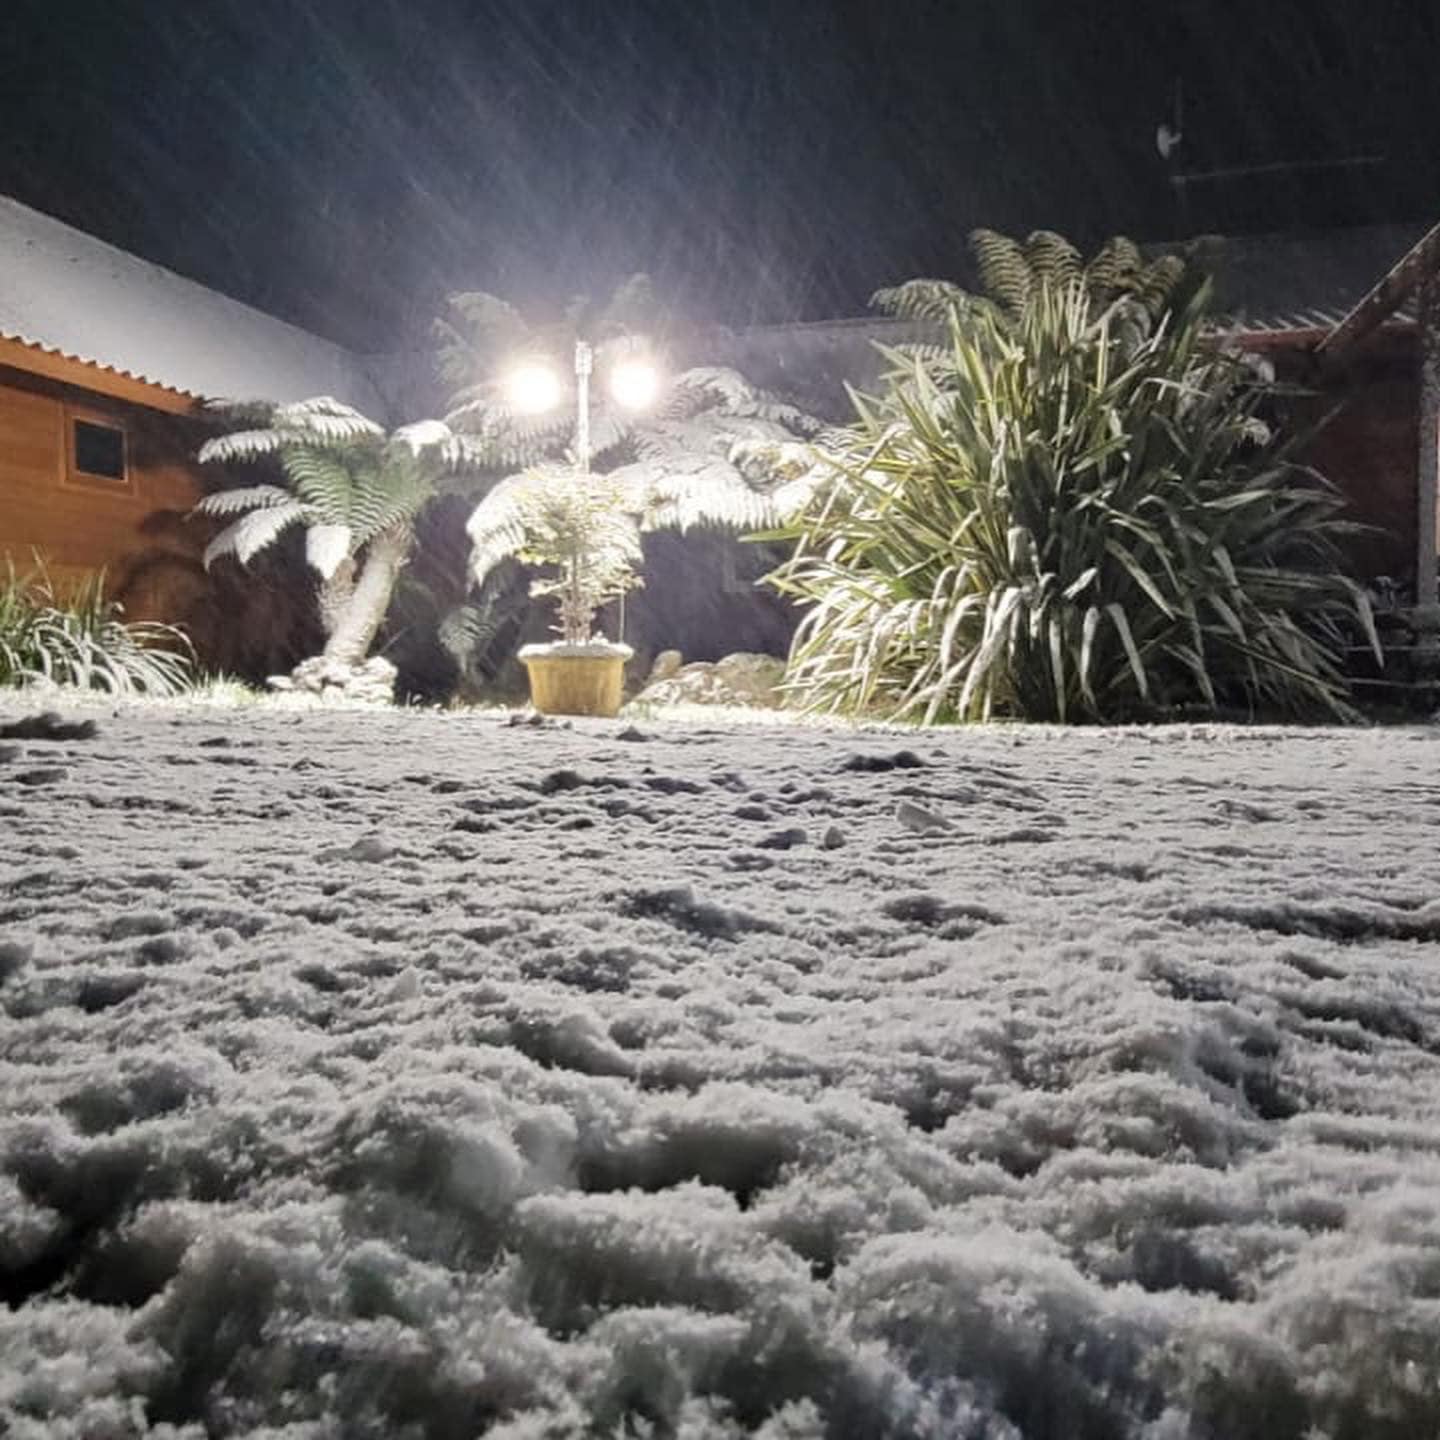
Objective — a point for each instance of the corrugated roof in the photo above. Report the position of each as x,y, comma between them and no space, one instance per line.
1267,283
69,293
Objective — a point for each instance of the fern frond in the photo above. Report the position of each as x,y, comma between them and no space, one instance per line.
1004,269
1156,284
323,480
1054,262
249,497
922,300
300,412
242,445
468,627
335,430
632,311
253,532
497,526
720,390
1113,268
422,435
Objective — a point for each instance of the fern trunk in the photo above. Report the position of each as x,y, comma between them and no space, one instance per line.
364,611
335,595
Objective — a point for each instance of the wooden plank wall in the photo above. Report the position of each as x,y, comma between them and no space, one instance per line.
136,531
1363,422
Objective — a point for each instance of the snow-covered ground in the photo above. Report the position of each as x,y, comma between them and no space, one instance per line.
405,1075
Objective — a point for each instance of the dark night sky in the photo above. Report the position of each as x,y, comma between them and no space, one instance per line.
344,163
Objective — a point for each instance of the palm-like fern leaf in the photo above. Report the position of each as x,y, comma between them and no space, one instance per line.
922,300
1005,272
323,479
346,479
249,497
1054,262
242,445
253,532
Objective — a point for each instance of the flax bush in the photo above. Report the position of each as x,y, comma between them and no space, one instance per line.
1071,511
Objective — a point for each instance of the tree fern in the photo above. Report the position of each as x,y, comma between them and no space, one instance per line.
481,337
721,453
354,489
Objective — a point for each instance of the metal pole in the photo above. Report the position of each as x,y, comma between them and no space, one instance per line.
584,364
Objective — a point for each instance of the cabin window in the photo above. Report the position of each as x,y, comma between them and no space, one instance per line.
98,451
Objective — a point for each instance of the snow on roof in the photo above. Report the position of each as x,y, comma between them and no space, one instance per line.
67,292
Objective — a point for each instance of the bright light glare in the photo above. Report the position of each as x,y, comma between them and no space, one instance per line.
635,384
532,388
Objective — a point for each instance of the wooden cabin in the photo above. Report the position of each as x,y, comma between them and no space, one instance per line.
96,473
105,362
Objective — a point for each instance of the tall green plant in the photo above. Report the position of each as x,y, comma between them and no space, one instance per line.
80,639
1070,516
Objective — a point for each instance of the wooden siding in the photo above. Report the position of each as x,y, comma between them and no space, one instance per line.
1365,419
136,529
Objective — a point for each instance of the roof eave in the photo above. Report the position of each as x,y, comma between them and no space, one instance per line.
90,375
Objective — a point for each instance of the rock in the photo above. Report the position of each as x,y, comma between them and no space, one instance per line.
833,838
49,725
667,663
740,679
917,818
406,985
373,681
14,957
41,775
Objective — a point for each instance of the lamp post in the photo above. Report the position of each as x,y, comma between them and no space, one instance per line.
584,364
535,388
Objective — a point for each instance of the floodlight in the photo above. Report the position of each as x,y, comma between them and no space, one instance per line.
635,384
532,388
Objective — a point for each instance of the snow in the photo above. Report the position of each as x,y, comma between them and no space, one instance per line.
66,291
372,1073
597,649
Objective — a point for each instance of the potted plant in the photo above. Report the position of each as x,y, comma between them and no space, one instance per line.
575,528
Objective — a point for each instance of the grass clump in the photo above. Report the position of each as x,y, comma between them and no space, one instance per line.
78,638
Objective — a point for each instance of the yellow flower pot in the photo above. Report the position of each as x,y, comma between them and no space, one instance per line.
576,679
